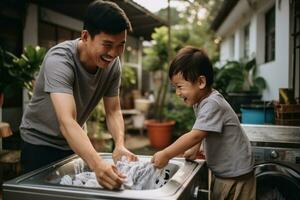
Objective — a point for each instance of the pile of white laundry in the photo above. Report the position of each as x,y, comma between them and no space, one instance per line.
83,179
140,175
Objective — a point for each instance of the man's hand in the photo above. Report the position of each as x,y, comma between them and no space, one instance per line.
160,159
108,176
192,152
120,151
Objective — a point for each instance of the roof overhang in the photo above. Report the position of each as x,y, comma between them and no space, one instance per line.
225,10
142,20
235,14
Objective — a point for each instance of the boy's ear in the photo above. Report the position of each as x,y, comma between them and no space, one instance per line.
84,35
202,82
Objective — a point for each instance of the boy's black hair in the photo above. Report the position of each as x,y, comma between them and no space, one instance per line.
105,16
192,62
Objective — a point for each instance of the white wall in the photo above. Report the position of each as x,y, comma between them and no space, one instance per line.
276,72
238,44
225,49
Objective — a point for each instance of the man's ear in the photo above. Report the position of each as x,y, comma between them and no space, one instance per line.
84,35
202,82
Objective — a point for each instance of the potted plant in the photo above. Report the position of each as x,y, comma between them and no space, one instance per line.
97,132
20,71
128,82
156,61
239,83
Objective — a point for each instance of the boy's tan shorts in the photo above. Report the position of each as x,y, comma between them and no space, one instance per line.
239,188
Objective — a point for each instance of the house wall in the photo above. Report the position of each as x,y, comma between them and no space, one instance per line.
225,50
277,73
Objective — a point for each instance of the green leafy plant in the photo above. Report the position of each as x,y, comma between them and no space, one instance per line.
128,77
98,114
20,71
181,114
156,61
6,78
239,76
96,121
128,83
239,83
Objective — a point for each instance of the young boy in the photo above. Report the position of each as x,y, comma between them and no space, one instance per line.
226,147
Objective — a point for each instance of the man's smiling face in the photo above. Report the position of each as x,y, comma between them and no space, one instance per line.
104,48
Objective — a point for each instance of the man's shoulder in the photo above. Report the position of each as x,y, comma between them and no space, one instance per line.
67,47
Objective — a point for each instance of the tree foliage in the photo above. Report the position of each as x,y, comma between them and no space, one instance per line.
188,27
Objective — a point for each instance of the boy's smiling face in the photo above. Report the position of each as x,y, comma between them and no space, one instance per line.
191,93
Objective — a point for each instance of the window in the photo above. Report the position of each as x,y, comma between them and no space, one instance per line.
231,48
51,34
270,35
246,42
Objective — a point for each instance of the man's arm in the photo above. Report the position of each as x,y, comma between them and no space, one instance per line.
115,125
64,105
114,119
185,142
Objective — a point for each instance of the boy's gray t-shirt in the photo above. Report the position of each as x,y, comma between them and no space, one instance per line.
226,147
62,72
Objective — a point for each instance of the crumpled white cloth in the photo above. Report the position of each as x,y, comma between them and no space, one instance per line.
140,175
85,179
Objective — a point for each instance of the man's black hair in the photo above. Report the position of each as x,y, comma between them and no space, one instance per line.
105,16
192,62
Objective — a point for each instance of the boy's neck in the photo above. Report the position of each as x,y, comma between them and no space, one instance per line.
206,92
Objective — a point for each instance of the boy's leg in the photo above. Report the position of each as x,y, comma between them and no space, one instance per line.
235,189
221,188
246,189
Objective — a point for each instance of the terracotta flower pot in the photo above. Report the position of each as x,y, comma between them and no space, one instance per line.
159,133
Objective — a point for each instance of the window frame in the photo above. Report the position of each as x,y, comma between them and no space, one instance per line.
270,35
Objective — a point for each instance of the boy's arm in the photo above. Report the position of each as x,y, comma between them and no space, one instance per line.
192,152
185,142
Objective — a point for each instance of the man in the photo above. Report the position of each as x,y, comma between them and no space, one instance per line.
74,76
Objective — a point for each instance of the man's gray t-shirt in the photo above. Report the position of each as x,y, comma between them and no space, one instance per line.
226,147
62,72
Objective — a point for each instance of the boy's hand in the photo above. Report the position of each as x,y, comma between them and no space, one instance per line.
192,152
160,159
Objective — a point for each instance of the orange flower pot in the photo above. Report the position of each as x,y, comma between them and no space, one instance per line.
159,133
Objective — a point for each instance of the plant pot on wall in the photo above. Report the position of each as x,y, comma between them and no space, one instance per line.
236,99
159,133
258,113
